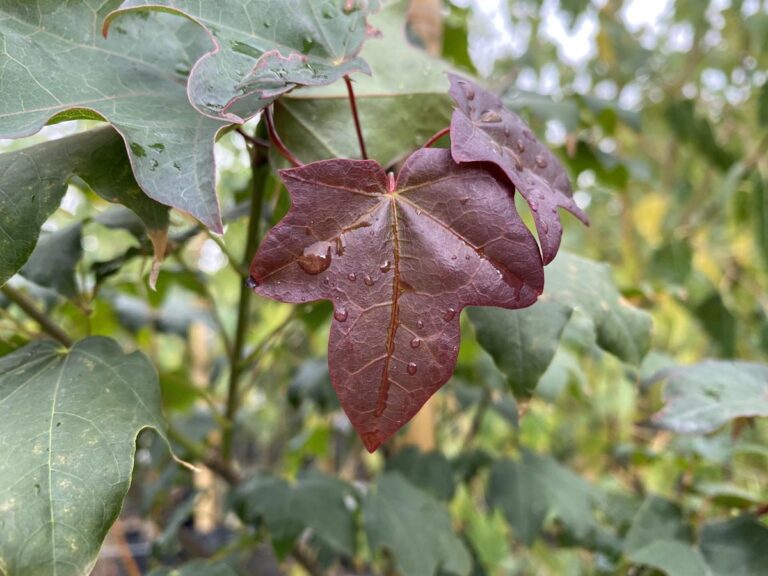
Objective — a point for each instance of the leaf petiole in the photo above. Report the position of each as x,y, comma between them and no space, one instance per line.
429,143
275,138
355,115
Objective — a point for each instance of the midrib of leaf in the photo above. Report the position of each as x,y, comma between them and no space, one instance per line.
394,318
50,464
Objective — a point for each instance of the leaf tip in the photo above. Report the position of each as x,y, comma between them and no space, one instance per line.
371,441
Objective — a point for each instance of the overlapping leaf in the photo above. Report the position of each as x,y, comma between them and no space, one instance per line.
264,48
68,427
483,130
399,261
55,64
400,106
34,180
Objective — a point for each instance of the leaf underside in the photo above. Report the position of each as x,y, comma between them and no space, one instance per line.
398,264
258,53
483,130
68,427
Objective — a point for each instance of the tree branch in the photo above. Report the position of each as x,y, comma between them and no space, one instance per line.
30,309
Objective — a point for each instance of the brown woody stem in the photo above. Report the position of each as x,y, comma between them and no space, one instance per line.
30,309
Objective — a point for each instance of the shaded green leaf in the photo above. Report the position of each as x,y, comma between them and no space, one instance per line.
534,487
736,547
657,519
429,471
414,528
53,262
316,501
587,286
197,568
702,397
673,558
521,342
70,420
33,181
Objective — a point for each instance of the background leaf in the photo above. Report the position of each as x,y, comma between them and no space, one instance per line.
414,528
521,342
701,398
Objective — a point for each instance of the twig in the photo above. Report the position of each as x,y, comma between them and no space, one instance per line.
259,177
202,454
234,262
30,309
355,115
436,137
252,140
275,138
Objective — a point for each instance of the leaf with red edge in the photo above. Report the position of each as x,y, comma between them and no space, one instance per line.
261,49
482,130
398,260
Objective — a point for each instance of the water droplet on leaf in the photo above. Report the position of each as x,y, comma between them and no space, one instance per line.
386,266
315,263
420,324
412,368
490,116
341,315
415,343
352,276
368,280
541,162
450,314
252,283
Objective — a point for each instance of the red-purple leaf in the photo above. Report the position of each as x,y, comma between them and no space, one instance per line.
399,261
483,130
